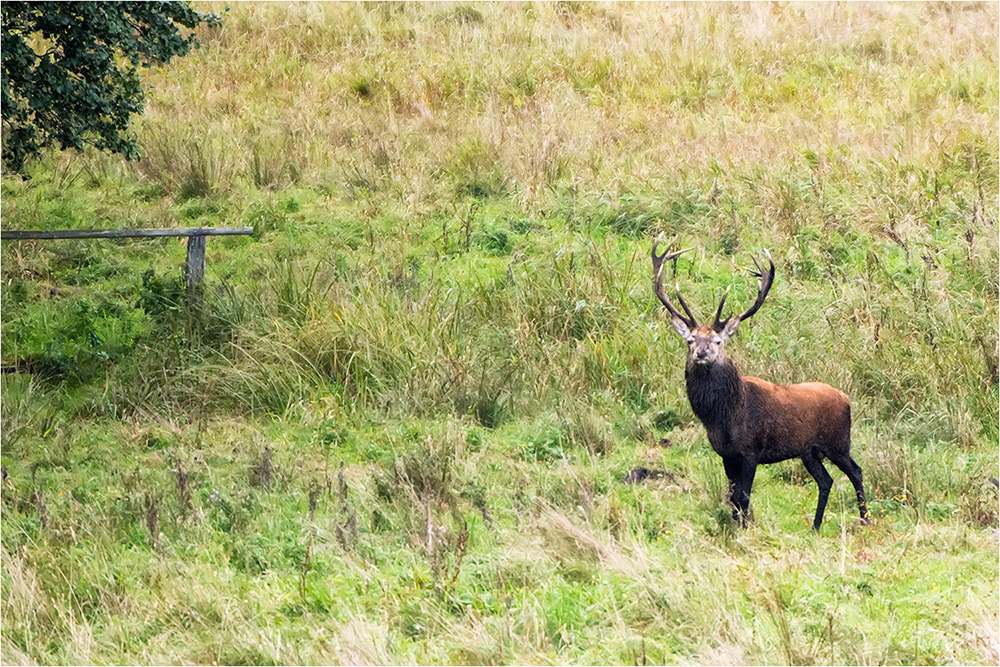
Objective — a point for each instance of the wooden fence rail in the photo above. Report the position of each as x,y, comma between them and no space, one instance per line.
194,267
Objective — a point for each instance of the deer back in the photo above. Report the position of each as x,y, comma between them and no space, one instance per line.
781,422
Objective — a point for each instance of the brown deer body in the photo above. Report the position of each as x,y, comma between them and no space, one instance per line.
751,421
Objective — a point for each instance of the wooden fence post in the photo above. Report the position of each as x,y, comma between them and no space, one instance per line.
194,270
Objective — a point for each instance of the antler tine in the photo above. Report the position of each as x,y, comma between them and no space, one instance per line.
691,318
720,324
764,287
658,262
760,269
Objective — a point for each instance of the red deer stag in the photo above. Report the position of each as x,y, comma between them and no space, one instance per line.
752,422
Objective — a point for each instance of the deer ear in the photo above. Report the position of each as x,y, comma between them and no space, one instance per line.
681,327
731,327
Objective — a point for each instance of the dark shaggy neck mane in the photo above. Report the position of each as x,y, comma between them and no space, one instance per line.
714,391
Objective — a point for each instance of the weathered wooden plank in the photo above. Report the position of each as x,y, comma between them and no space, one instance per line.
19,235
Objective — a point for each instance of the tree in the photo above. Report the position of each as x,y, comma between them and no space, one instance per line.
71,71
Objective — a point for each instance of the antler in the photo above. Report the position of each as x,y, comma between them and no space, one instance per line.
658,262
762,290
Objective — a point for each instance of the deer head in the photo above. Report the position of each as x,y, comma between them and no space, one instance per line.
705,343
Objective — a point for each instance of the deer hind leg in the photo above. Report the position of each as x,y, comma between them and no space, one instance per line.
813,462
853,472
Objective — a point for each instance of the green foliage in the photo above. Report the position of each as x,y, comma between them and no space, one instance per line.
71,72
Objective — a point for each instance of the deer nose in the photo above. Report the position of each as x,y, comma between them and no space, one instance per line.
702,354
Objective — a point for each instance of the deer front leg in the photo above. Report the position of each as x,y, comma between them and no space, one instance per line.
733,465
740,470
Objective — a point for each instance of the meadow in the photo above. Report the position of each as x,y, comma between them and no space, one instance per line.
397,431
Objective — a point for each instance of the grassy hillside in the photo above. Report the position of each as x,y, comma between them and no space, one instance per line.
399,429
